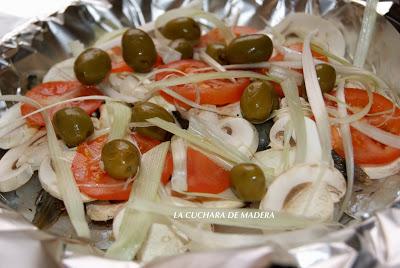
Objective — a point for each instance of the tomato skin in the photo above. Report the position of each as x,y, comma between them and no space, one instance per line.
52,92
216,91
366,150
205,176
86,169
215,36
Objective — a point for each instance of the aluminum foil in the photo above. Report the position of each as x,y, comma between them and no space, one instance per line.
369,240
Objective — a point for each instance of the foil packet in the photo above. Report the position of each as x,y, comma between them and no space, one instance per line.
370,237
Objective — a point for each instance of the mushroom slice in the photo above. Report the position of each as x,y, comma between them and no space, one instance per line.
382,171
17,136
272,158
103,211
282,187
12,177
8,119
328,34
62,71
35,154
48,178
243,134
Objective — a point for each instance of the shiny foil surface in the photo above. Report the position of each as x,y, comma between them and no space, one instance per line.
370,235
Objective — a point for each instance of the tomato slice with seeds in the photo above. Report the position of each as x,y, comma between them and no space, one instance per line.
367,150
215,91
53,92
215,36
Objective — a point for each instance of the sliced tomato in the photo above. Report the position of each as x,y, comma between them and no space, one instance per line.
299,47
205,176
215,36
216,91
145,144
53,92
91,178
367,150
118,64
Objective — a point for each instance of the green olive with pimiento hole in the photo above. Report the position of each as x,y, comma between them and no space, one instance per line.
72,125
183,27
146,110
121,159
92,66
138,50
258,101
217,52
249,49
326,75
248,182
184,47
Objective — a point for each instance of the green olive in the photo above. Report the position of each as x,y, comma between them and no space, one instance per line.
249,49
326,75
217,52
258,101
182,27
121,159
92,66
184,47
146,110
72,125
138,50
248,182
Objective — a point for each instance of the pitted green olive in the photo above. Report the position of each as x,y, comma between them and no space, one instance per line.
183,27
92,66
121,159
326,75
184,47
138,50
257,101
249,49
146,110
248,182
217,52
72,125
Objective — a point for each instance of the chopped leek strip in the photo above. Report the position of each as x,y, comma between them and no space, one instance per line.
66,183
213,63
244,217
348,148
195,78
378,134
135,224
367,29
179,156
316,100
297,117
120,117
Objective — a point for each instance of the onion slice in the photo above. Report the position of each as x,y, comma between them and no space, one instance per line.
377,134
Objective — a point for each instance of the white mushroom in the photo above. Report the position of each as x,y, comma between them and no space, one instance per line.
48,178
328,34
244,135
103,211
62,71
12,175
17,136
35,154
295,183
273,158
382,171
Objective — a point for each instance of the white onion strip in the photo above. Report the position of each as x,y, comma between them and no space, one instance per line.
348,148
316,100
179,157
65,179
377,134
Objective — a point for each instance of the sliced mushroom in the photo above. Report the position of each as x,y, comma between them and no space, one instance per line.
35,154
244,135
382,171
280,191
103,211
62,71
17,136
273,158
300,24
48,178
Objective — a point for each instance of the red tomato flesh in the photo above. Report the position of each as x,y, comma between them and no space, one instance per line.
216,91
53,92
367,150
215,36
